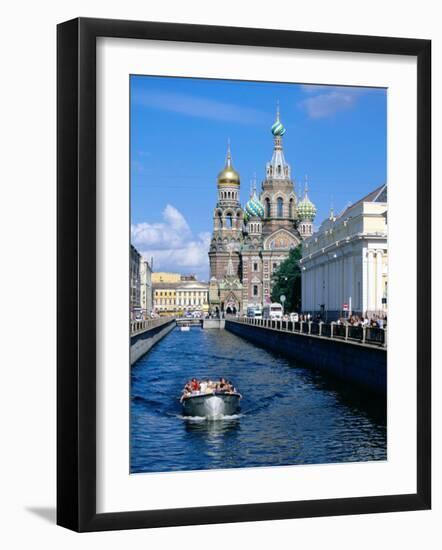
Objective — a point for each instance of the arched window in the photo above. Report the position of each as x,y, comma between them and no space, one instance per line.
267,204
291,208
280,204
229,221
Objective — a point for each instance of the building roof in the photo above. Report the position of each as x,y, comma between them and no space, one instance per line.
377,195
181,285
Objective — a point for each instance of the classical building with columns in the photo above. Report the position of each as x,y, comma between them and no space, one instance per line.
344,264
248,244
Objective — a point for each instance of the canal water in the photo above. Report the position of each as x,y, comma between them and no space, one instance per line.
290,414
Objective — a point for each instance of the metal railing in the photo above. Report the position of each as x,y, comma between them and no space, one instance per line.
136,327
336,331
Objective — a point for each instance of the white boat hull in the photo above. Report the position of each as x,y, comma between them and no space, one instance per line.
212,405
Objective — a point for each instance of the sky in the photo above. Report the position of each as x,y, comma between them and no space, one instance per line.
336,136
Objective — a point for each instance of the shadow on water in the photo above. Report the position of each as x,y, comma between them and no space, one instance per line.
350,395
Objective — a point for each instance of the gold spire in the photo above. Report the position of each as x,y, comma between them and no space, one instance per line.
228,176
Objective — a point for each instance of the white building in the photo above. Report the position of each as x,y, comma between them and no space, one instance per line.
192,296
344,264
145,288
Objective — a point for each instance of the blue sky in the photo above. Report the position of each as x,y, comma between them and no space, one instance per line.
179,131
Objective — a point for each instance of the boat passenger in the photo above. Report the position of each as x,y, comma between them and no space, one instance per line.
222,385
195,385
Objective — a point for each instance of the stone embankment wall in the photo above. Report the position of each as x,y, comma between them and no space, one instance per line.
141,342
361,364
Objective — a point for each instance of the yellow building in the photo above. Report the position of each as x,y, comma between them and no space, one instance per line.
164,298
177,298
165,277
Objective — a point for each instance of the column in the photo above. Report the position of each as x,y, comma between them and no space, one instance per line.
379,289
371,286
363,297
350,282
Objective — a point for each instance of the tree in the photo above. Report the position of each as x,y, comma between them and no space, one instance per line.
287,280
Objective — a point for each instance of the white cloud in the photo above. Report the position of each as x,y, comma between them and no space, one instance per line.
201,107
172,244
330,101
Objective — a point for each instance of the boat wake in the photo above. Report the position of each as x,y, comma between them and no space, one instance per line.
201,419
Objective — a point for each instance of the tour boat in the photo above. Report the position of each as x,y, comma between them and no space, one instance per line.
185,328
213,405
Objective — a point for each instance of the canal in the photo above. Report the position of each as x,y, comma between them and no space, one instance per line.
290,414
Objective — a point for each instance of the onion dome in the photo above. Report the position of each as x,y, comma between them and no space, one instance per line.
254,207
228,176
306,210
277,127
246,216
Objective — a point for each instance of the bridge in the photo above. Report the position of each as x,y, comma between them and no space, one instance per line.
355,354
180,321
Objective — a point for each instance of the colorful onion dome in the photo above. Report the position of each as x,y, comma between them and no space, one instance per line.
228,175
306,210
254,207
277,127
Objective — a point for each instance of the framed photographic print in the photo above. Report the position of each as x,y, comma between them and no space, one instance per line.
243,274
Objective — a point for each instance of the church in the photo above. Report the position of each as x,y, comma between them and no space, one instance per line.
248,244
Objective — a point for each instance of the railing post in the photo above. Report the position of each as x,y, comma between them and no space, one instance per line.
309,327
364,335
332,324
300,326
320,329
385,337
346,331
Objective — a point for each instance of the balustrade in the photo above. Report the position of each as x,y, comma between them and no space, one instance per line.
364,335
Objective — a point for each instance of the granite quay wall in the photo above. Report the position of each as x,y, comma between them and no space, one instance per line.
145,334
357,363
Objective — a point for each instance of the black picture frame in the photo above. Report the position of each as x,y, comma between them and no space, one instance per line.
76,274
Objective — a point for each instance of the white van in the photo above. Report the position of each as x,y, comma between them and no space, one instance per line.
273,311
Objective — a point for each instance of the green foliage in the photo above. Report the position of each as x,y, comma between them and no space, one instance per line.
287,280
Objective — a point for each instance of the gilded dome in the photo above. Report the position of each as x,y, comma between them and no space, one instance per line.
228,175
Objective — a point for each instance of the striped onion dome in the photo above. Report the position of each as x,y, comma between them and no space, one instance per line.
277,128
254,207
306,210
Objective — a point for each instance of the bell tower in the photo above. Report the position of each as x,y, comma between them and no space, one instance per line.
278,193
228,220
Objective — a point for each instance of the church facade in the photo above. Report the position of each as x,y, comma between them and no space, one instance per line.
249,243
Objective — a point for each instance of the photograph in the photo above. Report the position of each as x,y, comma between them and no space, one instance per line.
258,274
